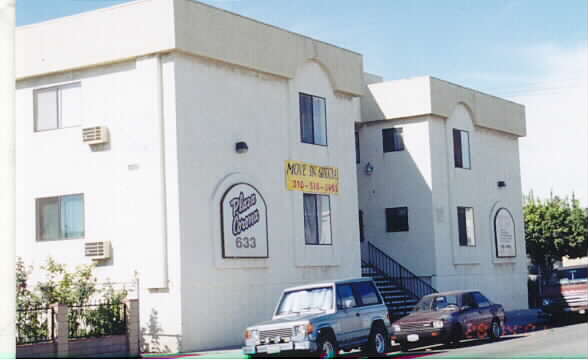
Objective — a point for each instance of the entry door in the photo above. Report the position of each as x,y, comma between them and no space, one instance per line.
347,310
470,316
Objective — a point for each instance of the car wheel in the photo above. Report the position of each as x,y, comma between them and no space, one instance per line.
379,341
404,346
326,347
495,329
455,336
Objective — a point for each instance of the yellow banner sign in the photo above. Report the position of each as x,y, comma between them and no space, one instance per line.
310,178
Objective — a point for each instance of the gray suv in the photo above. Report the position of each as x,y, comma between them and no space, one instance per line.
322,319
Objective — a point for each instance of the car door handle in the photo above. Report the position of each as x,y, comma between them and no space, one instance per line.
357,314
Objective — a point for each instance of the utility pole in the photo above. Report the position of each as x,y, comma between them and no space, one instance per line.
7,180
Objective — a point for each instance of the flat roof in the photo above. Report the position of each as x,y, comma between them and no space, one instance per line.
145,27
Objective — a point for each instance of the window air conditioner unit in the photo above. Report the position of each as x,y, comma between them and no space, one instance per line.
95,135
97,250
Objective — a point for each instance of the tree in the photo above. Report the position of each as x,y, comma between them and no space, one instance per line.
554,228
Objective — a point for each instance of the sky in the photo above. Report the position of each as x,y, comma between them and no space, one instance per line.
533,52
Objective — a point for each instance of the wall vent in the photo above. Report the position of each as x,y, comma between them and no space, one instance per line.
97,250
95,135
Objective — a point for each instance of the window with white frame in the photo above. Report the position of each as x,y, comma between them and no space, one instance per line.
58,107
461,149
313,119
317,219
60,217
465,226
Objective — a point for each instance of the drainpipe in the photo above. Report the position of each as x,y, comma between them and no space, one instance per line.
163,281
7,180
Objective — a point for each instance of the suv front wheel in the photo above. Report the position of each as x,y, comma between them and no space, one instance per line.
379,341
326,347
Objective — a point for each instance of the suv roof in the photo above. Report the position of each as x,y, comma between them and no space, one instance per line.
329,283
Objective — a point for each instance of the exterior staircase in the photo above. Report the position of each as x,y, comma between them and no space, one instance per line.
400,288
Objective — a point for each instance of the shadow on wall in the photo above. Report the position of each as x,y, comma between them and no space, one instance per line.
151,337
398,180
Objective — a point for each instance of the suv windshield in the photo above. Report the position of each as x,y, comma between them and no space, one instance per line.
306,300
437,303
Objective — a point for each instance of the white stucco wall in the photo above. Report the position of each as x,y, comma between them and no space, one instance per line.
121,182
424,178
218,105
401,178
494,157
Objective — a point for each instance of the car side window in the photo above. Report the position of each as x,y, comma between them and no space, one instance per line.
366,293
468,300
481,300
345,298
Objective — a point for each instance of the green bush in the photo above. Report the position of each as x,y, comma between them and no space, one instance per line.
94,311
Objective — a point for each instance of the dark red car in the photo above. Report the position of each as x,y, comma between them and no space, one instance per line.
449,317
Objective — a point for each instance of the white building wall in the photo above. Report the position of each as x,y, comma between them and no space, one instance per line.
218,105
401,178
121,183
494,157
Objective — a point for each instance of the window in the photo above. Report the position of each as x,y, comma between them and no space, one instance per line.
397,219
317,219
313,119
345,298
367,293
468,300
60,217
306,300
481,300
461,149
357,155
392,140
465,224
58,107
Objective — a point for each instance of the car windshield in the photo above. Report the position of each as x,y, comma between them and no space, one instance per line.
437,303
306,300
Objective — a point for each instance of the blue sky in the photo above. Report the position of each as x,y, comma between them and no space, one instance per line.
530,51
457,40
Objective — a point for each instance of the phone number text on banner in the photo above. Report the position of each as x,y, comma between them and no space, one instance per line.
311,178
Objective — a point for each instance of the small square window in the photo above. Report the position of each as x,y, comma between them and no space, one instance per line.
60,217
461,149
465,225
313,119
397,219
58,107
392,140
317,219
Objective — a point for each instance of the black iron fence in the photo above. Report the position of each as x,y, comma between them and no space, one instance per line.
35,325
97,320
390,268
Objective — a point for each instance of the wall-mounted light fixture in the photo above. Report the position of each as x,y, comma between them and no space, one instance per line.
241,147
369,169
501,184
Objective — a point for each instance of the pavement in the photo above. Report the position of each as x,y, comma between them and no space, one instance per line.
519,324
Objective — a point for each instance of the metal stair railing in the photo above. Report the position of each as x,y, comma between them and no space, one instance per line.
390,268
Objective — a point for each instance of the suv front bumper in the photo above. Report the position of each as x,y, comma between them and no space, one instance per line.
281,347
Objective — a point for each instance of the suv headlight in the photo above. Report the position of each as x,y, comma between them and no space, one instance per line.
438,324
251,335
396,328
302,331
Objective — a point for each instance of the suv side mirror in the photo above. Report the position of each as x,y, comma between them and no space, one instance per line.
348,303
